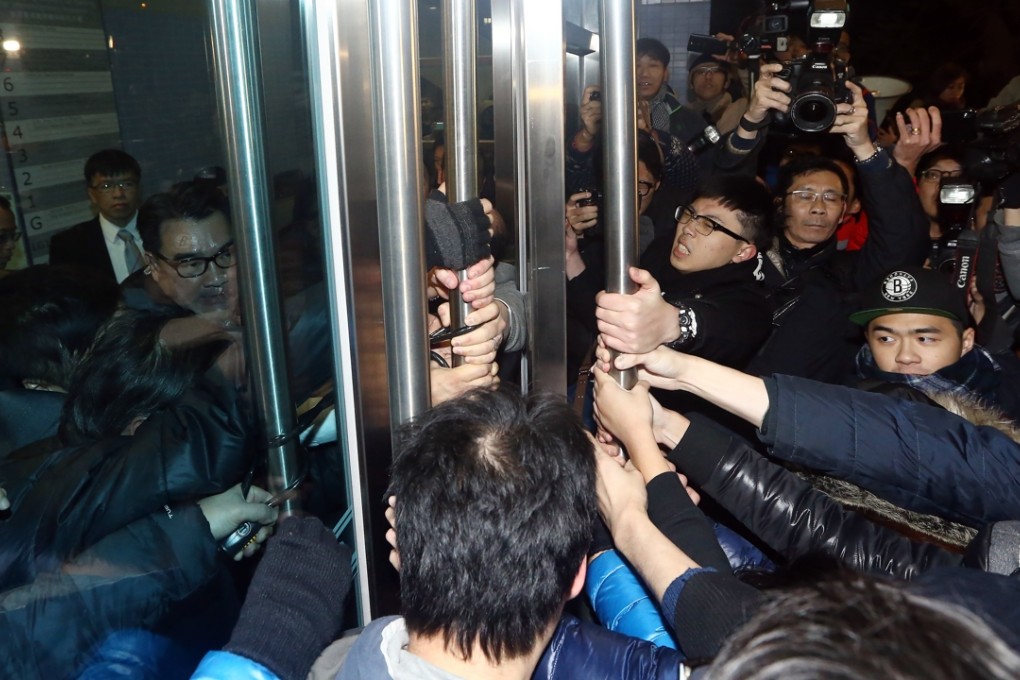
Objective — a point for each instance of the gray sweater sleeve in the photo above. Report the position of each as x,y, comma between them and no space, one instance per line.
508,294
1009,255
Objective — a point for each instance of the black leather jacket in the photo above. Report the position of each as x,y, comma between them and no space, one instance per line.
788,514
65,499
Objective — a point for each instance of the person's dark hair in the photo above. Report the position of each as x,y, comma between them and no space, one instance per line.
185,201
648,153
495,503
943,77
858,627
4,203
806,165
652,48
50,316
129,372
946,152
111,162
749,198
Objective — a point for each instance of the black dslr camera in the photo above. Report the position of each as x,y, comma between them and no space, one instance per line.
818,79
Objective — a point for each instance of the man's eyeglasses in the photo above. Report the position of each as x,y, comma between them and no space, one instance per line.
643,188
193,267
935,175
109,187
809,196
10,237
703,225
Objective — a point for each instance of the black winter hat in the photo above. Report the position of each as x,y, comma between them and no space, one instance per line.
912,290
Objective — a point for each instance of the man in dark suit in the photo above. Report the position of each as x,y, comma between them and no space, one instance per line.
109,243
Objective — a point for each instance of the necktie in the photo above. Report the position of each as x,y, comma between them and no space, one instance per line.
132,256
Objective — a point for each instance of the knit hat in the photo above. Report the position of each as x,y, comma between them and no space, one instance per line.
912,290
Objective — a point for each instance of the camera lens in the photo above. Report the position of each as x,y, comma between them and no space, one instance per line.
813,112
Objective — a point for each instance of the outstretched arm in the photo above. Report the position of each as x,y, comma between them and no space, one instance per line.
739,393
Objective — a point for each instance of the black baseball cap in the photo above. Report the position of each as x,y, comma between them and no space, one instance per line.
912,290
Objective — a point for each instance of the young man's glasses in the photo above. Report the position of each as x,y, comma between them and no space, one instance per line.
643,188
703,225
10,237
197,265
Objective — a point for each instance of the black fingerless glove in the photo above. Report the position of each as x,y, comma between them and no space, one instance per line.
294,608
456,235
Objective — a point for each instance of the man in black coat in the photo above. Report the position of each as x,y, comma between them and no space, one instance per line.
108,243
814,285
701,289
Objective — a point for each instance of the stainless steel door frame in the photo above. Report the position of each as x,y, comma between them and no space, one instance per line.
362,404
528,86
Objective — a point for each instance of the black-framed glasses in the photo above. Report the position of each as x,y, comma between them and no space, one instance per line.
703,225
934,175
10,236
643,188
108,187
197,265
810,196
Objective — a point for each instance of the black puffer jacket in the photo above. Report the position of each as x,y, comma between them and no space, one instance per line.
65,499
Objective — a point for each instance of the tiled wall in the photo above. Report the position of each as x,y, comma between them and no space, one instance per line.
672,21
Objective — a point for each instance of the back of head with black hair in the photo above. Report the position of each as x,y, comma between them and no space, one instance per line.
653,48
750,198
111,162
190,201
128,373
495,503
50,317
4,203
855,626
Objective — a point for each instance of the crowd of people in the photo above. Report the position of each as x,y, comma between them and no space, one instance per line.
817,473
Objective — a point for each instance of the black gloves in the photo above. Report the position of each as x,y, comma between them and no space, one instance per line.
294,607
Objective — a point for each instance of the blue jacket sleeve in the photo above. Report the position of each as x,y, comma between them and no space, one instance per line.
621,601
917,456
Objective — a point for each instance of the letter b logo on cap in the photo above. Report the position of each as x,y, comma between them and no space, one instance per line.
899,286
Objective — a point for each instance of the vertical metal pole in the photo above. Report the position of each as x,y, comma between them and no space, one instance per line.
619,136
398,161
460,52
235,35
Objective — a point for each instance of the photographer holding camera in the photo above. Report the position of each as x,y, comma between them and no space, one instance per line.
813,285
672,126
